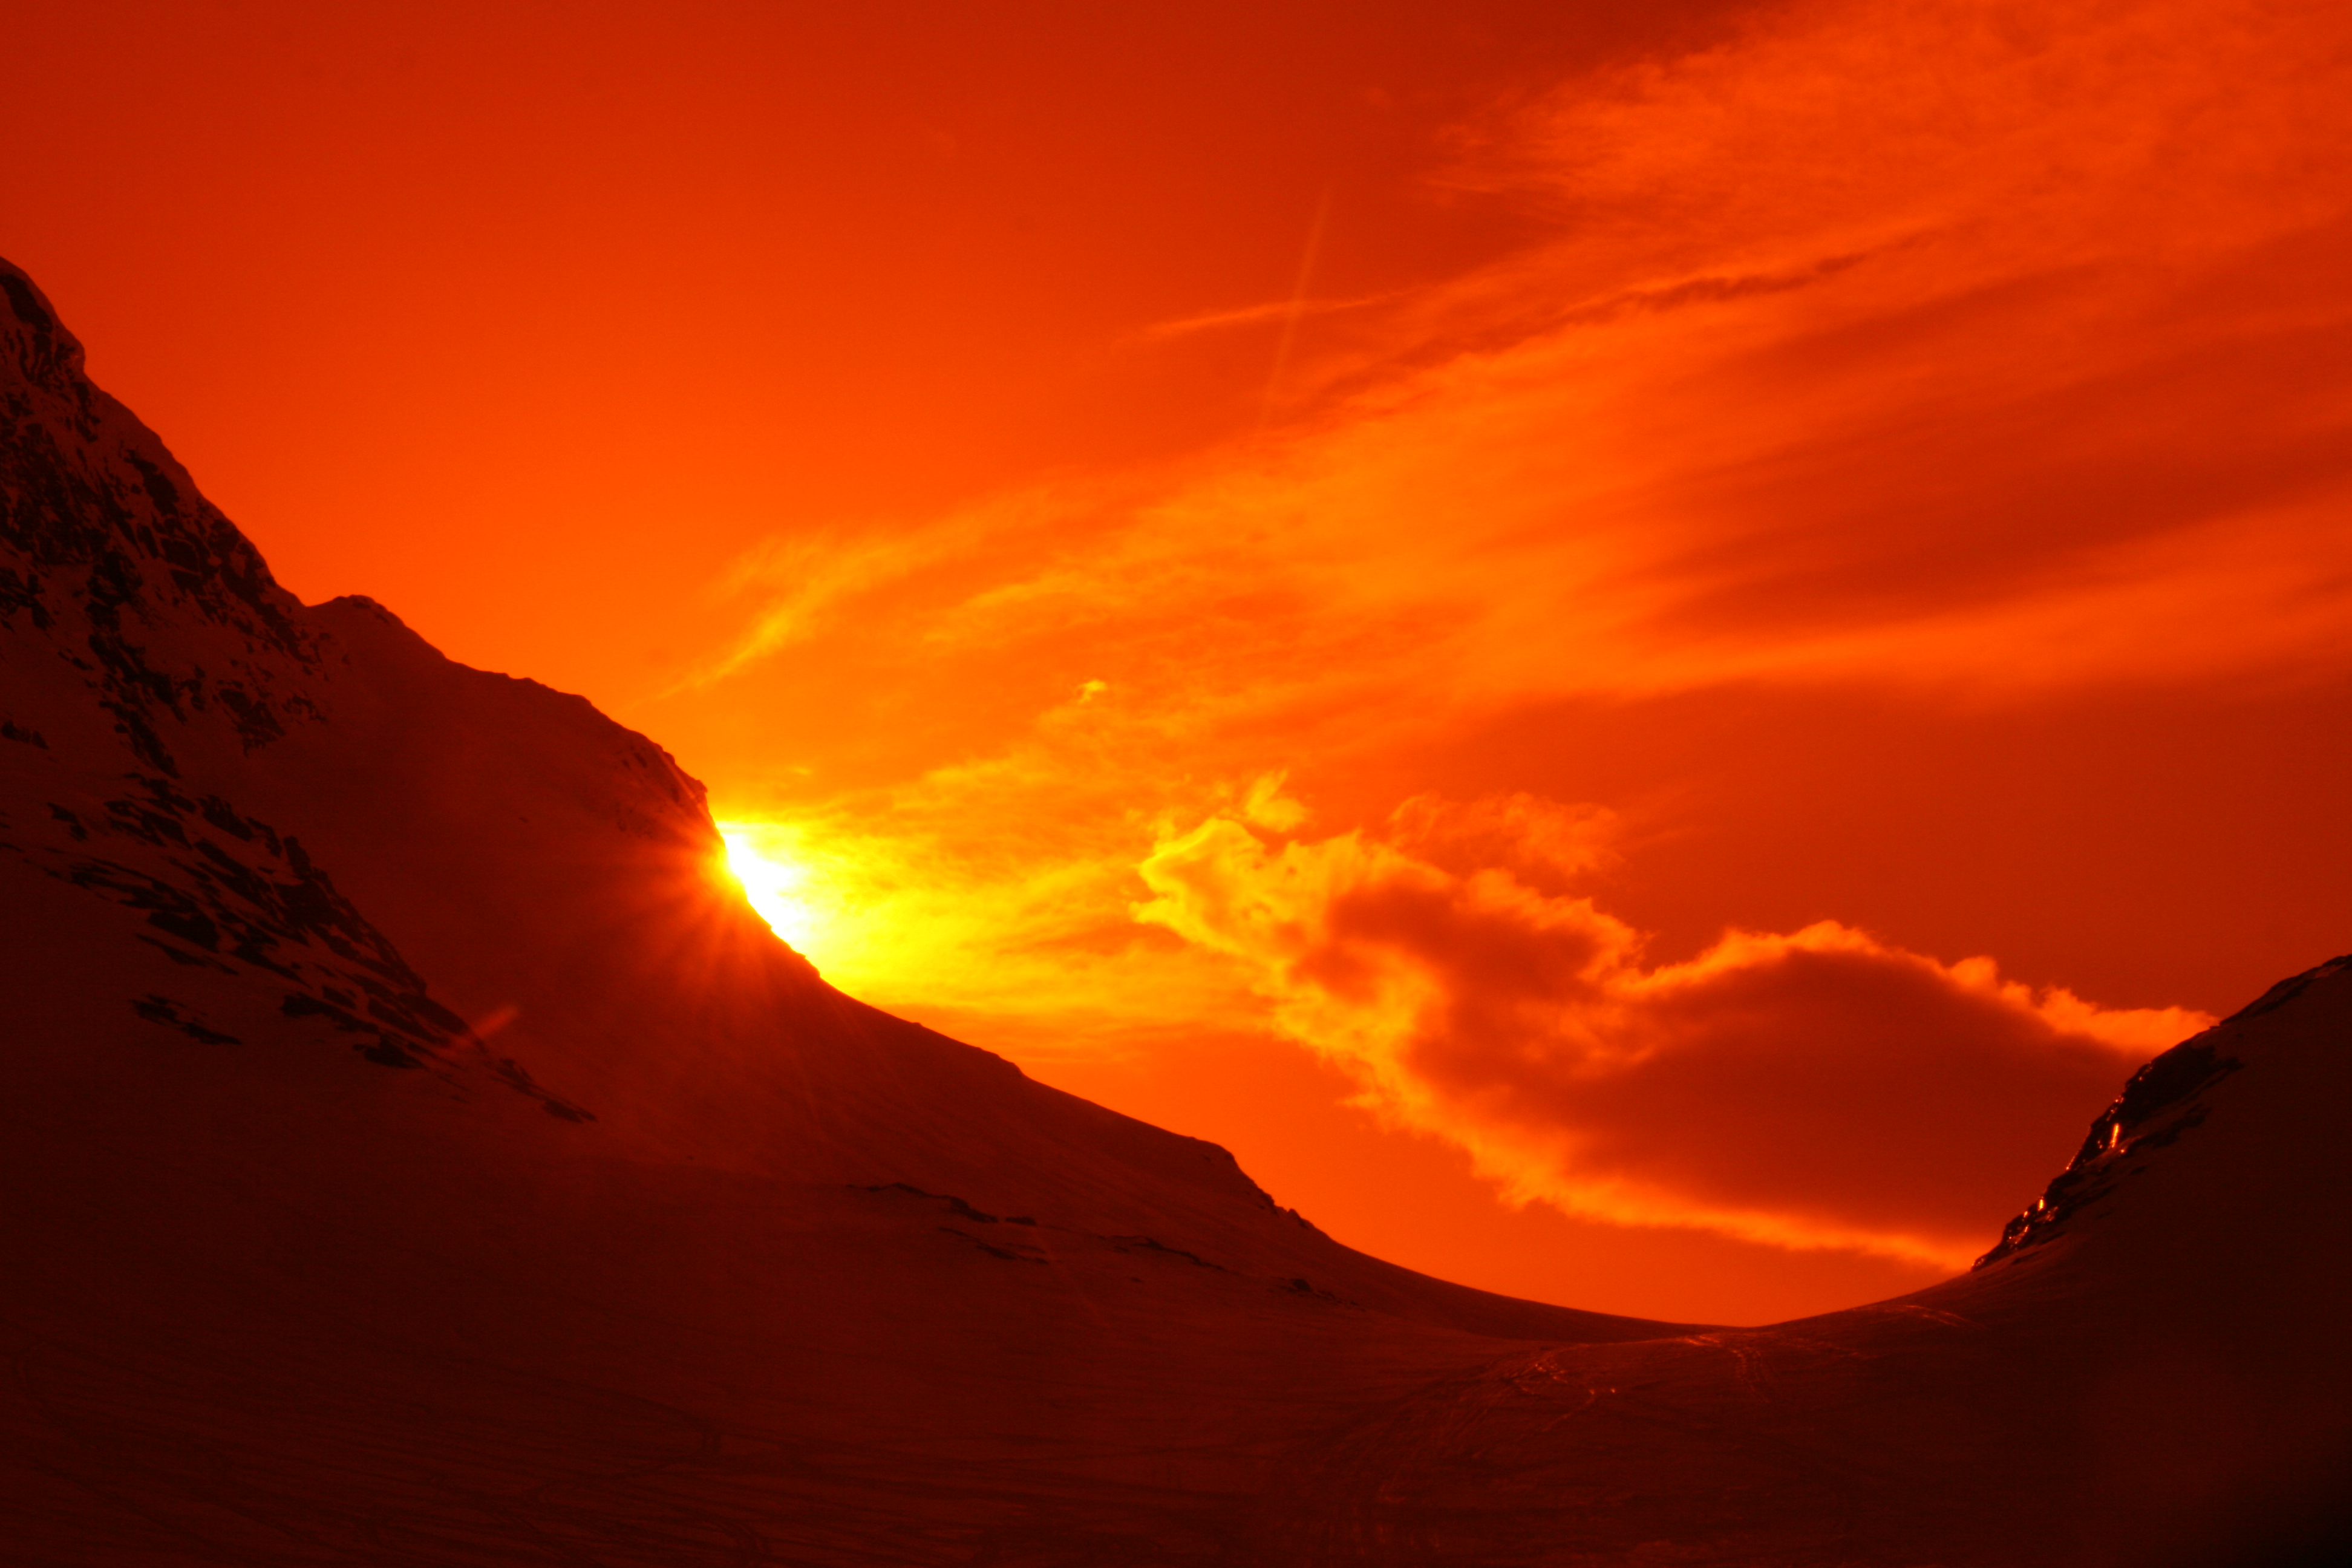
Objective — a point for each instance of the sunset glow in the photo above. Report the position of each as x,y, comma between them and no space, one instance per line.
1635,652
775,884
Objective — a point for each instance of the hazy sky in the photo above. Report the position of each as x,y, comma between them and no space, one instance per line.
1706,619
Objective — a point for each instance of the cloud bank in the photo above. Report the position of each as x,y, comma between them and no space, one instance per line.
1817,1088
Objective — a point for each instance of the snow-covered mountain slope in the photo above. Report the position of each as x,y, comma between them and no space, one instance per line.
322,825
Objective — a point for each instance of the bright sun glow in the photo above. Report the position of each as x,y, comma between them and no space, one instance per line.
775,881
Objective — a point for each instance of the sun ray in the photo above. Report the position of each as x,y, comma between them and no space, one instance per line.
775,883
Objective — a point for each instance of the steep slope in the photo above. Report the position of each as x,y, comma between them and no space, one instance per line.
313,812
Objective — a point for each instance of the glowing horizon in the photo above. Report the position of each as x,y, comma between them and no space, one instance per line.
759,859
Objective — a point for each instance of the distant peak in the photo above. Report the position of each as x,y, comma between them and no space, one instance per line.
2165,1099
361,602
46,352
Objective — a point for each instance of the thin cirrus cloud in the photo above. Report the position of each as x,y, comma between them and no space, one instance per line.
1986,346
1979,352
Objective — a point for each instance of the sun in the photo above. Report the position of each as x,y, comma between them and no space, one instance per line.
774,882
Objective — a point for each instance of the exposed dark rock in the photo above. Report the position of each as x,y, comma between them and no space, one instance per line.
164,1010
2161,1102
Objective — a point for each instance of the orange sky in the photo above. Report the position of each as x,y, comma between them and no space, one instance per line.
1637,648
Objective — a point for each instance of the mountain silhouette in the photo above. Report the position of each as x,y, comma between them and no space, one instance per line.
417,1152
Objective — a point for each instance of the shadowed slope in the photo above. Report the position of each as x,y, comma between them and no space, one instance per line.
317,815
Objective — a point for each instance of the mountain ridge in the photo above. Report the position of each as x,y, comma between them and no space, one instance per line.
548,868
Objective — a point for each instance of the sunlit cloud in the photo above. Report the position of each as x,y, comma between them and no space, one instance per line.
998,890
1817,1088
769,862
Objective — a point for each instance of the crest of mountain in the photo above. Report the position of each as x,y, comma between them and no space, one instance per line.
416,1153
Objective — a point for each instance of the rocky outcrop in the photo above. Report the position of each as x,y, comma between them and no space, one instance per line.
2161,1102
114,563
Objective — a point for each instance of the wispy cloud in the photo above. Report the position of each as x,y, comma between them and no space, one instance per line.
1976,352
1271,313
